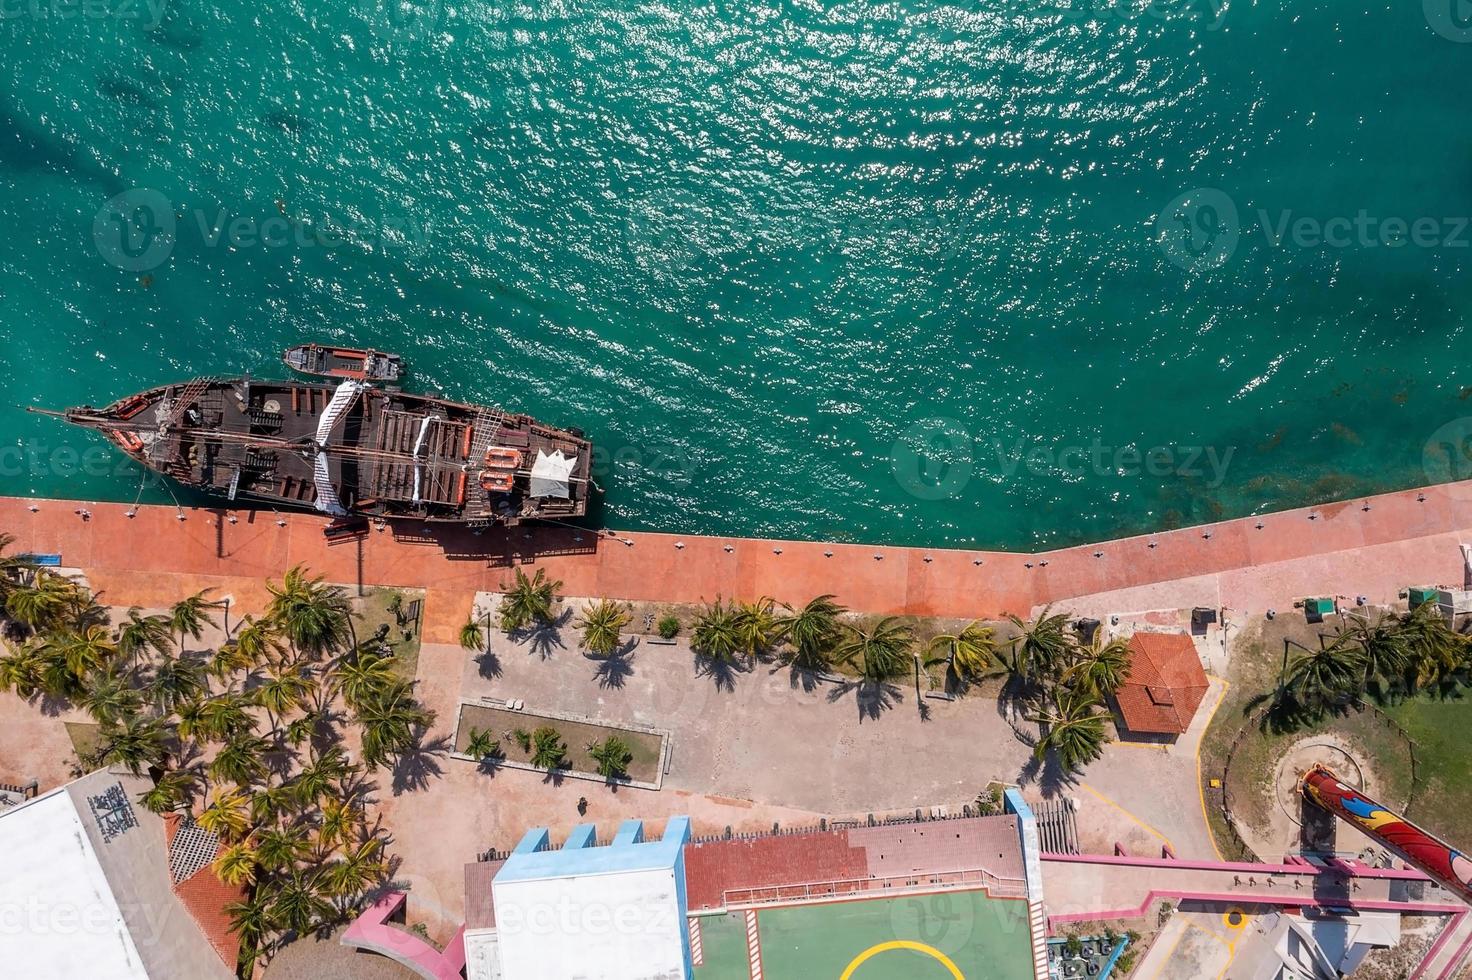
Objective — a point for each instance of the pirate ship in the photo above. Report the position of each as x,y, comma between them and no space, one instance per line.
350,449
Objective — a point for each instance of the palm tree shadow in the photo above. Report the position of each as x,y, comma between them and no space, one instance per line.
555,776
544,639
616,668
415,768
799,677
720,670
873,698
488,664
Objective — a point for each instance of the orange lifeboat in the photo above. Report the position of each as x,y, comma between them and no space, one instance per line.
127,441
503,458
497,482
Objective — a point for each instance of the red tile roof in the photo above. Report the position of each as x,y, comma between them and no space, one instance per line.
1165,686
205,896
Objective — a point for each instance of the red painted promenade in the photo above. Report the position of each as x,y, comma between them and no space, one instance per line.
1404,538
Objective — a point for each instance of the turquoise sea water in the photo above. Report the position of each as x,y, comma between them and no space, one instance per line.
920,272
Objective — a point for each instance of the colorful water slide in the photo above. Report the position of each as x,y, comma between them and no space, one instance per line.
1445,864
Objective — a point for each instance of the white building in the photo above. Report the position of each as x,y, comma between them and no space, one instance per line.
86,890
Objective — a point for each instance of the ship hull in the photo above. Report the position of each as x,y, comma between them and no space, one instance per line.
351,450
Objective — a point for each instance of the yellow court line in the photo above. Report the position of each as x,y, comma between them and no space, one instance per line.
1200,776
875,950
1128,814
1154,747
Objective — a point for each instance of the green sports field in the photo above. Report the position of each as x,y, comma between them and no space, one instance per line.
915,937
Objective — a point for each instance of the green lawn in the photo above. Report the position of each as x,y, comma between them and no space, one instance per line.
724,943
503,725
1444,797
371,613
984,937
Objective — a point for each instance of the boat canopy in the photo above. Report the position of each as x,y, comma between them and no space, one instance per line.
550,474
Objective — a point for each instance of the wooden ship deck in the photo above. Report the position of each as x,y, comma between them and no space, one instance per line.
351,449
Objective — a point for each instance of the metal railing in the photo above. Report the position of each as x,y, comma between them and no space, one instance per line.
995,885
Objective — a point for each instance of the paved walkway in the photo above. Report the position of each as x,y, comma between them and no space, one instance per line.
1373,547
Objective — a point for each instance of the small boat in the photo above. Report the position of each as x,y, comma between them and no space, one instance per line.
344,362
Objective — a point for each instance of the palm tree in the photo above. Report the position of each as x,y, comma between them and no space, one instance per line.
138,742
299,904
1386,645
20,671
360,868
236,864
255,643
603,624
87,649
613,757
42,602
1330,674
717,632
224,716
282,693
471,635
253,919
1043,648
882,650
226,815
364,677
339,819
811,630
389,724
108,698
12,568
269,803
482,745
190,615
756,625
968,654
241,760
528,600
318,776
169,793
316,618
279,848
1436,651
176,681
1100,669
1074,731
549,751
141,634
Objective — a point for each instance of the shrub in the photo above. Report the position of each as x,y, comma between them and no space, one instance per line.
523,739
669,626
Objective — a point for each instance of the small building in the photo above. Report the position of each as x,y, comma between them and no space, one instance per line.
1165,687
585,911
89,885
